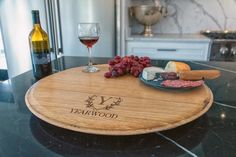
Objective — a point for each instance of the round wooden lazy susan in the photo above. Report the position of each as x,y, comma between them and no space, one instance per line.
90,103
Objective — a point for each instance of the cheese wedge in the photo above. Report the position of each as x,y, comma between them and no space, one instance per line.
149,73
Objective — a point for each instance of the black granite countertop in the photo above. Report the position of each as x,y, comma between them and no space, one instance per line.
212,135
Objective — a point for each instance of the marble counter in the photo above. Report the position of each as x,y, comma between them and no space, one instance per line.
170,38
212,135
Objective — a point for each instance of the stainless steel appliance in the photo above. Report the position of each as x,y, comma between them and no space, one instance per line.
223,47
59,18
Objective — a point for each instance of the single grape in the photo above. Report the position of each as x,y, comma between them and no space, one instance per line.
117,57
136,73
111,62
136,58
108,74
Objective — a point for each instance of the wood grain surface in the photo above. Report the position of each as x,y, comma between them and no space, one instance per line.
90,103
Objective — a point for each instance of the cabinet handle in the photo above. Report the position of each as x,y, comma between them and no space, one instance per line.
173,50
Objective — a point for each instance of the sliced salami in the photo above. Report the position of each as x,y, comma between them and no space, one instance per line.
181,83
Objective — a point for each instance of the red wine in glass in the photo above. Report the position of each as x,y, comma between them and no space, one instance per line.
88,41
88,34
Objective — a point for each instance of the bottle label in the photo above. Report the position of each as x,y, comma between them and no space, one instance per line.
41,58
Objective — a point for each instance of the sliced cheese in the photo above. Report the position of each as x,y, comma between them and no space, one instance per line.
149,73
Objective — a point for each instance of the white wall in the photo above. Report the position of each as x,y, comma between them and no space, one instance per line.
1,43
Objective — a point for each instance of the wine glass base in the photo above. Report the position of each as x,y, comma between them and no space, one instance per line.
91,69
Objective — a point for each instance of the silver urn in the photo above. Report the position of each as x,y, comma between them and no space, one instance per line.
147,15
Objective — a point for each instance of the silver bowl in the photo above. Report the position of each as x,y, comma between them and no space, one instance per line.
147,15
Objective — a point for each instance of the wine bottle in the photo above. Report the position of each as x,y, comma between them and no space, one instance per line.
39,47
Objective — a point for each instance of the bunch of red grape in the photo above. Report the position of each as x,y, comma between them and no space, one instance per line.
133,65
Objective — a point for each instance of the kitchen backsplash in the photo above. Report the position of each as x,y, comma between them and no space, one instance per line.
192,16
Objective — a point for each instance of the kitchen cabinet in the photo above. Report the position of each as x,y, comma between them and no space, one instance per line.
188,49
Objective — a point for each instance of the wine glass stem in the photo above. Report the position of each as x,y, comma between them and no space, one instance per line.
90,64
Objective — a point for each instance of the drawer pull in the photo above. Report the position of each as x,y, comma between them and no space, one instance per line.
166,50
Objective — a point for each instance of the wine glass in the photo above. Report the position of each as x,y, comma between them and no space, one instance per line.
88,34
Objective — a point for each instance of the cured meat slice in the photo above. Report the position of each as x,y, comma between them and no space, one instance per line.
181,83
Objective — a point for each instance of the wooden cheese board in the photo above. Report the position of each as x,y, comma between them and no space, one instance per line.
91,103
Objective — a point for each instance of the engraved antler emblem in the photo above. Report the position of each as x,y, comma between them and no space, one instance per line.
102,103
